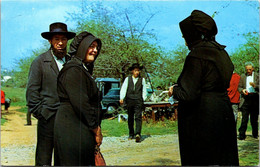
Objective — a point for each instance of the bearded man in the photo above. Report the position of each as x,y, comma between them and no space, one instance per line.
41,94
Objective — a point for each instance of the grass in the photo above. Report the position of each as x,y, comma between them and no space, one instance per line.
248,149
17,95
116,129
3,120
248,152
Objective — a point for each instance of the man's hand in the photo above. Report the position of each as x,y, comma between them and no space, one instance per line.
98,135
252,84
245,92
170,91
121,101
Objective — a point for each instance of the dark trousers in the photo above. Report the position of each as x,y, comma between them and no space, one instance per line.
134,110
250,108
6,104
45,142
28,117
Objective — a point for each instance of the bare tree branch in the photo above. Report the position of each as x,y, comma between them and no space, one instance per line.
147,22
130,25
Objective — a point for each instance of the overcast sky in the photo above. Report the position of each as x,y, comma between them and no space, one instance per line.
22,22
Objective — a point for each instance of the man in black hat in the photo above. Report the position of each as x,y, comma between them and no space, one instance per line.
41,94
134,92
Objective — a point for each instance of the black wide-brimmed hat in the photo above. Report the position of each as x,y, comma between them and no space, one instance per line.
135,65
58,28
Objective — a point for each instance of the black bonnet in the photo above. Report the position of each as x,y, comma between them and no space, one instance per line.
79,47
81,43
195,26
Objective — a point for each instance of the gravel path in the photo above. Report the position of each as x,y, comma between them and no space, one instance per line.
18,146
159,150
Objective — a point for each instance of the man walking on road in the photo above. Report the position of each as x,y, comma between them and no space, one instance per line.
41,94
134,92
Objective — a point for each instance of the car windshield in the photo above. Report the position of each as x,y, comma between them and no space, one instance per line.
113,92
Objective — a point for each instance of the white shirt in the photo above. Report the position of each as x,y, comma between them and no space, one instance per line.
249,79
125,85
59,62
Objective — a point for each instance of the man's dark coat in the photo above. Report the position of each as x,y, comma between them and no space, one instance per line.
43,101
242,85
42,97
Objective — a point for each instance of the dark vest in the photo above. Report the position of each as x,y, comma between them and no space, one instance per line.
134,94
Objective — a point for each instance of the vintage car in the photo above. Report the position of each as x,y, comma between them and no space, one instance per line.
110,101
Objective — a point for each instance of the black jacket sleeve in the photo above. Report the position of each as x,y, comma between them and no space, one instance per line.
189,82
33,96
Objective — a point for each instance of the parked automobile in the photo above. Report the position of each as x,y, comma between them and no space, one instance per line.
105,84
110,101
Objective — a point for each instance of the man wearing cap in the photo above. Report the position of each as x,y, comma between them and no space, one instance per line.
41,94
134,92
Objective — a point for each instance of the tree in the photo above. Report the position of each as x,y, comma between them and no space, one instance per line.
170,67
9,82
124,40
247,52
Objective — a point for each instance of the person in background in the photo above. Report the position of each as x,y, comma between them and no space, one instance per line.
158,90
77,130
234,94
28,119
2,98
41,93
206,123
156,93
134,93
249,90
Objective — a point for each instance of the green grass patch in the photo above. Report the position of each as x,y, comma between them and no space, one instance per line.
248,152
23,109
3,120
17,95
117,129
248,149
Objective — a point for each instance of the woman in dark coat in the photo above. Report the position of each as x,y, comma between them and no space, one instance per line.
206,125
77,124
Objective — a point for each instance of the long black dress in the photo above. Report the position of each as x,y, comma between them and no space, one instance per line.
206,124
79,112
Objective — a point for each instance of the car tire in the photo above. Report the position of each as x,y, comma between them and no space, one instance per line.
111,109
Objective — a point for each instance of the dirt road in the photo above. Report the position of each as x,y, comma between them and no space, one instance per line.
17,141
18,146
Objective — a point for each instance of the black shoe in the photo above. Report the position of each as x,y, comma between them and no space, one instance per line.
256,137
130,137
138,138
241,137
